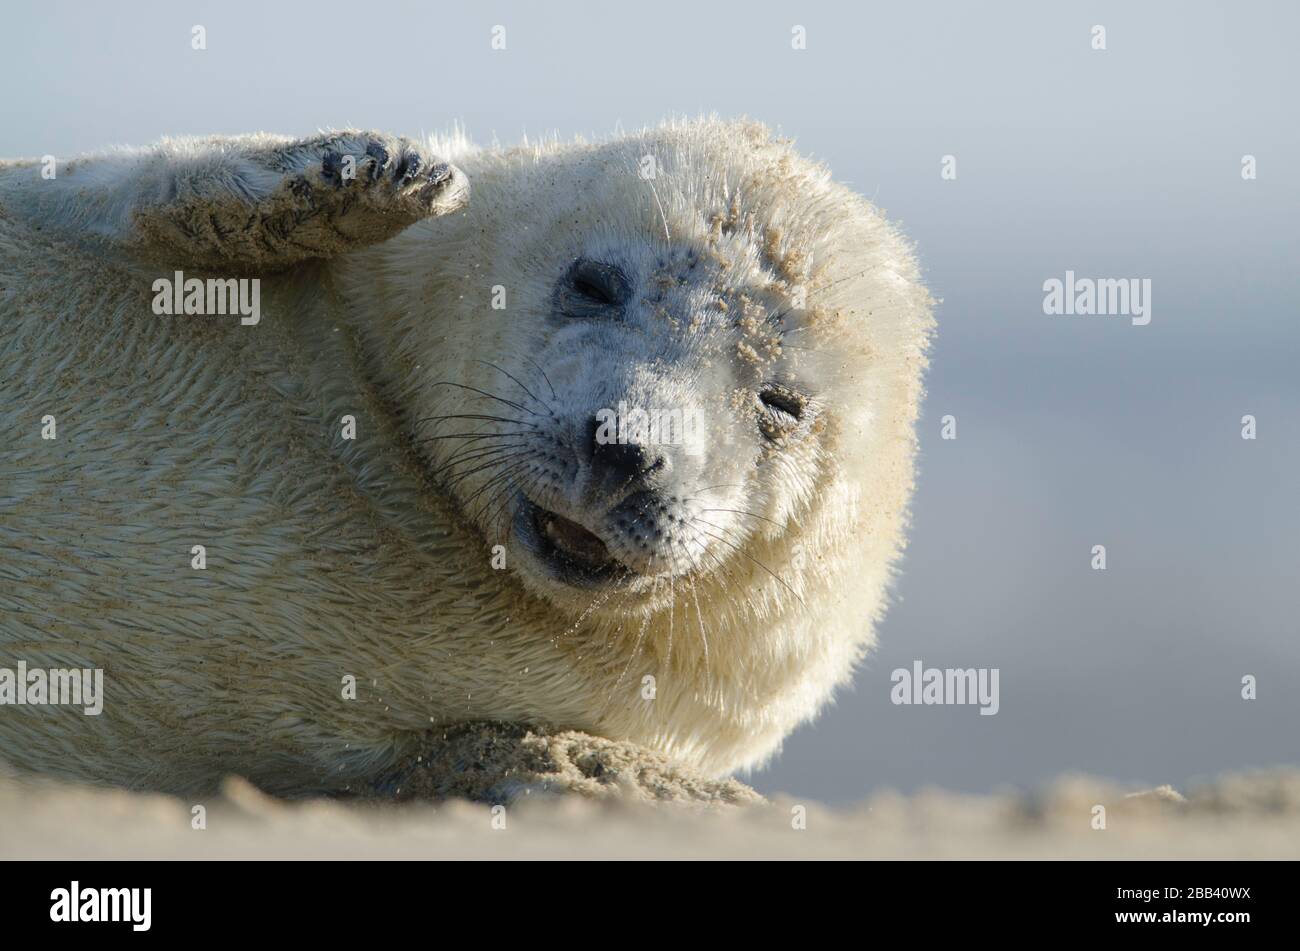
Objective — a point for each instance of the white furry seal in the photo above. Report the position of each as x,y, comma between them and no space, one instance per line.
504,538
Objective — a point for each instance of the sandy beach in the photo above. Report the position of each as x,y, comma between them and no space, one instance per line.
1251,815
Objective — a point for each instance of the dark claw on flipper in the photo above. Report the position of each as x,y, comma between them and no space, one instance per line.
409,167
329,167
439,173
380,154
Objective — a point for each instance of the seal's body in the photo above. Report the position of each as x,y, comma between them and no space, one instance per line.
420,478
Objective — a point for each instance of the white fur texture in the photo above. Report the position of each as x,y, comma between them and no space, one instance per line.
330,558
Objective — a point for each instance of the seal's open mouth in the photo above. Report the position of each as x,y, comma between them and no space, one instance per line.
570,550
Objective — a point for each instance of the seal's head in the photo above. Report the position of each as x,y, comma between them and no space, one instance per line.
670,381
678,338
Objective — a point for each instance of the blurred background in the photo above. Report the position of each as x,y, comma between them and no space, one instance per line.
1071,431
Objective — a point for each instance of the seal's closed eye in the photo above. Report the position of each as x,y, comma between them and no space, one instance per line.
591,289
784,400
783,413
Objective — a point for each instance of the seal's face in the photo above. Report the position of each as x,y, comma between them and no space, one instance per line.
651,427
660,428
654,402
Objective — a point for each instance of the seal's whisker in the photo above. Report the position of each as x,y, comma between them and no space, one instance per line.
490,464
704,637
500,499
500,435
724,485
491,483
451,465
510,491
540,403
690,579
741,512
636,649
746,554
617,608
478,416
498,480
595,603
745,604
460,477
544,376
725,568
474,453
491,396
672,613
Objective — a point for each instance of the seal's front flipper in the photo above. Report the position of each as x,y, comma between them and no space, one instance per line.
249,203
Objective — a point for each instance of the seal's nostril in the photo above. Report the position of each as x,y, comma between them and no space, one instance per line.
622,460
625,460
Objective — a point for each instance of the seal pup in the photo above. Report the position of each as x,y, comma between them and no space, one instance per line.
623,445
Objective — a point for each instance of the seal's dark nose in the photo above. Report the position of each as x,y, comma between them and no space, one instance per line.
622,462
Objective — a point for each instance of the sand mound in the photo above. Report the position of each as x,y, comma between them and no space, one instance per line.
496,763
